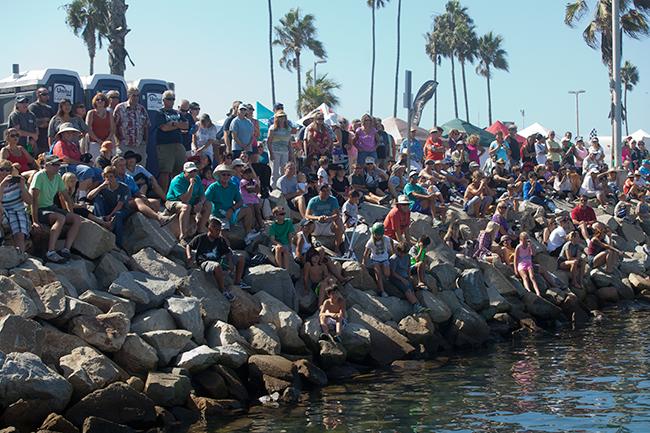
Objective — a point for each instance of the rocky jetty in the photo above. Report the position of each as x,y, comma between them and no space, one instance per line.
125,341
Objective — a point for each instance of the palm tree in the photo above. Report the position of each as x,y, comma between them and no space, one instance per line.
634,22
434,48
317,93
271,51
630,78
466,46
117,31
399,22
490,56
88,19
294,34
374,4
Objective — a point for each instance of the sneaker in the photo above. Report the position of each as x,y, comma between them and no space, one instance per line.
250,237
229,296
244,286
384,295
53,257
225,225
65,253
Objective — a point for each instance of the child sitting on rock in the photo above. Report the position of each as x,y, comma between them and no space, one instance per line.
281,234
332,314
523,264
418,255
351,210
400,276
376,255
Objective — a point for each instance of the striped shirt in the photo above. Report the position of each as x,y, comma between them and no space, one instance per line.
11,198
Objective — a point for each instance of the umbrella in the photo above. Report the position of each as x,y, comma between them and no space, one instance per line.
499,126
398,128
469,129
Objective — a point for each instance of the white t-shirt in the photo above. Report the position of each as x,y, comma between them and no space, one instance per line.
202,137
588,187
380,250
556,239
350,213
323,178
540,153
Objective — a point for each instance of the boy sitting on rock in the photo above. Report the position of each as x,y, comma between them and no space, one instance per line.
400,276
332,314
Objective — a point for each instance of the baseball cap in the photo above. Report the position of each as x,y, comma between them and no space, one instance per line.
413,173
370,160
52,160
22,99
238,163
189,166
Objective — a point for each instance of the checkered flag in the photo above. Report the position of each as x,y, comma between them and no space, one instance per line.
593,134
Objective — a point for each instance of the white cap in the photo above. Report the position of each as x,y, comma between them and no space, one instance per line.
189,166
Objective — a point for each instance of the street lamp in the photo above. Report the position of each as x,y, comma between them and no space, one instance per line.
319,61
577,93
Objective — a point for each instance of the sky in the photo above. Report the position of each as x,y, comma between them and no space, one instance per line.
217,51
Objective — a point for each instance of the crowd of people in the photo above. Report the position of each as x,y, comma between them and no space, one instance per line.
58,168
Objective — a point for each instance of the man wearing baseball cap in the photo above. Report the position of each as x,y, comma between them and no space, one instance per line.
186,197
24,122
171,153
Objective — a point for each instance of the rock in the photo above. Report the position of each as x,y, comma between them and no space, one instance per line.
222,334
607,294
74,308
136,356
168,344
10,257
235,385
167,390
356,340
18,334
546,261
94,424
494,277
186,312
16,299
310,373
419,329
500,304
157,265
212,408
287,322
362,278
601,279
366,302
210,382
609,221
244,309
118,403
264,338
24,375
107,331
68,288
633,233
50,300
274,385
58,344
27,414
57,423
472,284
88,370
232,355
93,240
146,291
79,272
274,281
639,282
386,344
438,309
445,274
398,308
467,328
271,365
144,233
107,302
108,270
331,353
632,266
35,272
152,320
540,307
198,359
451,299
214,306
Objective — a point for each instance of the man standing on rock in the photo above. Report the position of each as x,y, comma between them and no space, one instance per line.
132,125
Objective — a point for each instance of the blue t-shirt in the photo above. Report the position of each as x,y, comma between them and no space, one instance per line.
502,153
400,265
530,191
179,186
130,182
222,198
325,207
244,129
416,151
163,116
110,199
409,189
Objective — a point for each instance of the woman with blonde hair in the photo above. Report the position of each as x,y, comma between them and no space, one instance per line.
280,143
71,183
474,148
101,126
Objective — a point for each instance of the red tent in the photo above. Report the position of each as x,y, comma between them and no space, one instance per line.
499,126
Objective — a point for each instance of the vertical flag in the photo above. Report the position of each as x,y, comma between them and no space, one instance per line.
264,116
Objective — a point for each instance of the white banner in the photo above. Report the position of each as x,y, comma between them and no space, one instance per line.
154,101
61,92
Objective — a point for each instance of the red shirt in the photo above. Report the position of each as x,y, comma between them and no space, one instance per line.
65,149
583,213
434,149
394,220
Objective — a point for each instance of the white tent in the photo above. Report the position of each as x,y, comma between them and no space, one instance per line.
398,129
533,129
641,135
322,108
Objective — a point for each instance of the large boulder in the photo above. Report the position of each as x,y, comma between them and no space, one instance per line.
186,312
366,302
34,271
497,301
274,281
540,307
118,403
331,354
633,233
264,338
107,331
168,344
223,334
157,265
386,344
494,277
211,383
214,306
373,212
88,370
95,424
10,257
93,240
56,423
198,359
49,299
438,309
108,270
74,308
107,302
58,344
398,308
472,284
157,319
445,274
136,356
146,291
361,277
419,329
286,321
310,373
79,272
467,328
271,365
16,299
144,233
167,389
18,334
244,309
356,340
602,279
25,376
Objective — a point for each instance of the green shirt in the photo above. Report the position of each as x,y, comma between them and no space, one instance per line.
280,232
554,156
222,198
179,186
48,189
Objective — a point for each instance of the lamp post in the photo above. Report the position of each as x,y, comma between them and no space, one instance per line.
577,93
319,61
616,85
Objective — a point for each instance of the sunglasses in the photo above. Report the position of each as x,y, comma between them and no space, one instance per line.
44,94
114,97
225,174
168,99
5,170
14,135
281,213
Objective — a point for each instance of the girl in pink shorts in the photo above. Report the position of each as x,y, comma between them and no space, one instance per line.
523,263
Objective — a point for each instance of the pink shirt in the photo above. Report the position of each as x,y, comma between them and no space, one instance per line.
248,197
366,141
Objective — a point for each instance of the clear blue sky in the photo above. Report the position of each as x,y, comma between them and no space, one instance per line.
216,51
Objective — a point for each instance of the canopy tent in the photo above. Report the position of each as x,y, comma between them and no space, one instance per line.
463,126
534,129
398,128
499,126
641,135
322,108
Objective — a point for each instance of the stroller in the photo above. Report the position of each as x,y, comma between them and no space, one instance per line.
351,236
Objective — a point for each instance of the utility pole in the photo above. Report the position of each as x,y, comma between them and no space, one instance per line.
577,93
319,61
408,104
523,118
616,78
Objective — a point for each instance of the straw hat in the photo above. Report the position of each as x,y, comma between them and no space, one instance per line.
67,127
223,168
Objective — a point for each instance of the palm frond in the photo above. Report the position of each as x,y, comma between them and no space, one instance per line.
575,11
